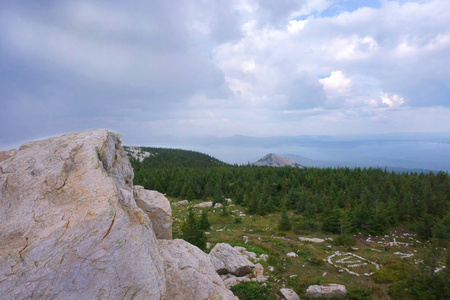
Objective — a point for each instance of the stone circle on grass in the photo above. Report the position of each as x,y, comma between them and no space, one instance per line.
347,261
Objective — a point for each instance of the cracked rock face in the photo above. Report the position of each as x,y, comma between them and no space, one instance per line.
157,207
69,225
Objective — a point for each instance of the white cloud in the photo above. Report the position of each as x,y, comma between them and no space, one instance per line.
391,101
337,82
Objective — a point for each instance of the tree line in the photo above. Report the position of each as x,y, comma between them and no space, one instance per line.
345,200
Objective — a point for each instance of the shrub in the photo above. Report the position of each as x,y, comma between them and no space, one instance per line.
284,224
359,294
253,290
251,248
304,225
390,273
344,240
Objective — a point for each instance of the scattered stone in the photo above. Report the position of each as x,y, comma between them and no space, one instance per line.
263,257
218,205
137,153
404,255
344,263
331,290
292,254
271,269
289,294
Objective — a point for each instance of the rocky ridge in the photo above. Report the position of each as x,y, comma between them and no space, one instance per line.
274,160
72,226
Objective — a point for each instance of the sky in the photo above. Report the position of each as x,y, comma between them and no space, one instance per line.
220,68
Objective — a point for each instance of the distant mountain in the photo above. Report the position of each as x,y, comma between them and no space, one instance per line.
346,164
418,151
273,160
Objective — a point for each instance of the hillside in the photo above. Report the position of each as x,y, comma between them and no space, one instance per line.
170,158
373,217
274,160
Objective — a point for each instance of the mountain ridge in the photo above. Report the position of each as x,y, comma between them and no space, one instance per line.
275,160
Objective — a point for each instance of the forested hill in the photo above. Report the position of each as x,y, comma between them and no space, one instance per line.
172,158
369,200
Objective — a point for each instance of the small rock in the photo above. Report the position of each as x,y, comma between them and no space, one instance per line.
331,290
258,270
289,294
204,204
182,202
314,240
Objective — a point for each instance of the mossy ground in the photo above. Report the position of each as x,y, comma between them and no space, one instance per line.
311,266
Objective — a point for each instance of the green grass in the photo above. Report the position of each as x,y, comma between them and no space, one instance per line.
310,267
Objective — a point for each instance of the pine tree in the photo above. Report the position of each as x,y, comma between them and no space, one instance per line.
191,231
284,223
204,222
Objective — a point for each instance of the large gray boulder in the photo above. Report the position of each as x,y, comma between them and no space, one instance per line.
190,274
69,225
226,259
331,290
70,228
157,207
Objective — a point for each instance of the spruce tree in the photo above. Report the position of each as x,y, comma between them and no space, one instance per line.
191,231
204,222
284,224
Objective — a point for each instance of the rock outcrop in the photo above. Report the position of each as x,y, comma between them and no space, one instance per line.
157,207
226,259
274,160
70,227
7,154
331,290
190,274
